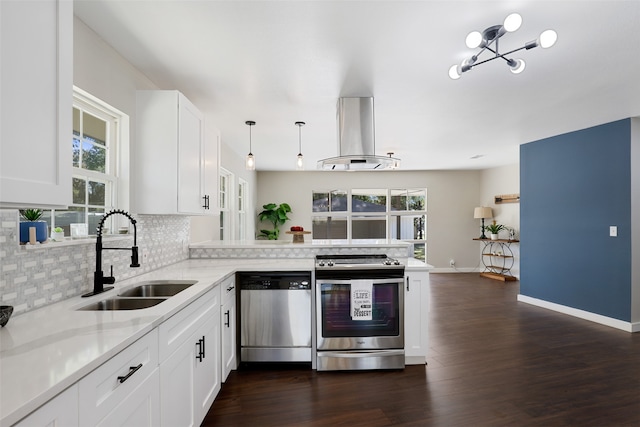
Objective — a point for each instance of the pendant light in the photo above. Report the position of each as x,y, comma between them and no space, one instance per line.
251,162
300,159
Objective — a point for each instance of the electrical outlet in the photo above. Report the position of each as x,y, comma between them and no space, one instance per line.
452,262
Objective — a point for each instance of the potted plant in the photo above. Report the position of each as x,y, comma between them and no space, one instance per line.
57,234
494,229
275,214
32,219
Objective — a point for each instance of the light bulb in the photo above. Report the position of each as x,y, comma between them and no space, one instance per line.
512,22
547,39
251,163
300,162
473,39
454,73
516,66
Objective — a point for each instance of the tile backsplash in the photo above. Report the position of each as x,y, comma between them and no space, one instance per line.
33,276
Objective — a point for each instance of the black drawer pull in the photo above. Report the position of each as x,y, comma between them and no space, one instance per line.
226,322
230,288
199,353
132,370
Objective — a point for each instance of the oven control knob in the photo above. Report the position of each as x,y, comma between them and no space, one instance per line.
396,262
330,263
321,263
387,262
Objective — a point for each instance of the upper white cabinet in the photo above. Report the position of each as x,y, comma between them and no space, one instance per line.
36,83
416,317
173,157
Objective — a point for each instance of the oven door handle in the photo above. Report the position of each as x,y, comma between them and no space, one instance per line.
398,280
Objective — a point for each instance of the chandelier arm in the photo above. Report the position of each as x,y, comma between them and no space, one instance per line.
503,56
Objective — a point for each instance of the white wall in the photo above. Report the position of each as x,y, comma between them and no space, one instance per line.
451,198
494,182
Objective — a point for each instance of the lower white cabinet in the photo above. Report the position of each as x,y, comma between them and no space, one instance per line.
228,326
190,376
62,410
124,390
416,317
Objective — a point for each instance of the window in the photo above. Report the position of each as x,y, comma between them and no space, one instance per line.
94,154
225,200
371,214
242,209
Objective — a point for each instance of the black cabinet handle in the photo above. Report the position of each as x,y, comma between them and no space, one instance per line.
206,201
230,288
226,322
132,370
201,352
407,283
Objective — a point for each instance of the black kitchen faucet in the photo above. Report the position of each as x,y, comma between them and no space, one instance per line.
99,280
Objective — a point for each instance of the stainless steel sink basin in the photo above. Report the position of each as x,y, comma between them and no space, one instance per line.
123,304
158,289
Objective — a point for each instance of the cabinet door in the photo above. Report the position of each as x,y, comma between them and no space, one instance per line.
140,409
211,173
228,329
62,410
176,386
35,102
416,317
207,371
190,158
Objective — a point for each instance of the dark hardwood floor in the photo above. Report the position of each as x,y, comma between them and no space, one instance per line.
493,362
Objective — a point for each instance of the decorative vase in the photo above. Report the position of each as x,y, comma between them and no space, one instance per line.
42,231
494,236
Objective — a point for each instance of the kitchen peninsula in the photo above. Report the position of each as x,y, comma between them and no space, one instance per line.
55,351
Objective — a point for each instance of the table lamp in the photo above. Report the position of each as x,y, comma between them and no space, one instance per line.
482,213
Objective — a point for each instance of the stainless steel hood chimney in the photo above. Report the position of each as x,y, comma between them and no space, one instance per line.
356,139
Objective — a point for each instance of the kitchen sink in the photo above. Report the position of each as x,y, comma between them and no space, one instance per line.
123,304
158,288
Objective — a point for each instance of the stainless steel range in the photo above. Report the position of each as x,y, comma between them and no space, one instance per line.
360,312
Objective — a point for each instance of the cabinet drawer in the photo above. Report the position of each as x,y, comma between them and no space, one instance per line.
105,388
179,328
228,289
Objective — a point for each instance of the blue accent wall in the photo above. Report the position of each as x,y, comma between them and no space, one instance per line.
572,188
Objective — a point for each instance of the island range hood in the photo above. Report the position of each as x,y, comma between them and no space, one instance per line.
356,139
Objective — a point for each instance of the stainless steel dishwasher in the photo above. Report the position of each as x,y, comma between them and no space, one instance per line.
275,316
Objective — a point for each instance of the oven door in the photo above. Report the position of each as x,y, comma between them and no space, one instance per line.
336,330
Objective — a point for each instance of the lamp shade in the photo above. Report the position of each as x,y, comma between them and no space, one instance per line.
482,212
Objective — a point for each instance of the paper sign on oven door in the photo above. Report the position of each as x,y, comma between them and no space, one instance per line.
361,299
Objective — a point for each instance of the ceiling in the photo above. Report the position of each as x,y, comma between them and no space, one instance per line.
278,62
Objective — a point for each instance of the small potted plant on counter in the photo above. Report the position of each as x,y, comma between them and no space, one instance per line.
494,229
275,214
32,220
57,234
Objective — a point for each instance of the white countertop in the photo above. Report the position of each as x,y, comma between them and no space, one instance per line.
309,243
44,351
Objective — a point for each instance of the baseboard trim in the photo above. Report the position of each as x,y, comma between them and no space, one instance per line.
453,270
582,314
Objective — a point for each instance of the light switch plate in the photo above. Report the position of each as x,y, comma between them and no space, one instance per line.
613,231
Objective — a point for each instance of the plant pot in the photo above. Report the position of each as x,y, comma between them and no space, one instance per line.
494,236
42,231
57,236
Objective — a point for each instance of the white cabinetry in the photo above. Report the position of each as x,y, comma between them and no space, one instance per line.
62,410
190,362
124,391
228,325
172,157
416,317
36,77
